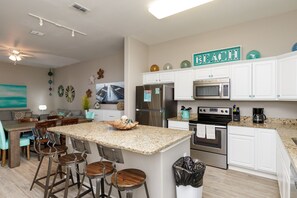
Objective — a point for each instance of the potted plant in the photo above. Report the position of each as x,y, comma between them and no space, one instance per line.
86,103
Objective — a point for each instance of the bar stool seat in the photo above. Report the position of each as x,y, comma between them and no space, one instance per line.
129,179
96,169
71,159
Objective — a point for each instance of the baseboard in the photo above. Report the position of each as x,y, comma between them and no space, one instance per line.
253,172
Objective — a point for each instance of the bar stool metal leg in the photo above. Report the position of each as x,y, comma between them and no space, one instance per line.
146,190
98,185
37,171
67,181
129,194
49,169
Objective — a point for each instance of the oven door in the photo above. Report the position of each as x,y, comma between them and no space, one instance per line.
216,145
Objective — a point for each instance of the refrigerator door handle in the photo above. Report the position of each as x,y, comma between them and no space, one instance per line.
147,110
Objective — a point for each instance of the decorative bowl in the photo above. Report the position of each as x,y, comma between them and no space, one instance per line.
185,64
253,55
118,124
154,67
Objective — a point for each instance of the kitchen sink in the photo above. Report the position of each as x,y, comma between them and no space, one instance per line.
295,140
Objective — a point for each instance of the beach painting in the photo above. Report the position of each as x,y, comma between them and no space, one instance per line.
110,93
13,96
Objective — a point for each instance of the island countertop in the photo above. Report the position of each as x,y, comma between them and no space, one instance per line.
142,139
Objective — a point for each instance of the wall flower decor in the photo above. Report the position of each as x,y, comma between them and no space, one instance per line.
60,91
100,74
89,93
92,79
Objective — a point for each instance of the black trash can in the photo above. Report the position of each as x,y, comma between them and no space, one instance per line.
188,174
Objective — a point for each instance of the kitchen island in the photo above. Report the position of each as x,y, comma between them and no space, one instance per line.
151,149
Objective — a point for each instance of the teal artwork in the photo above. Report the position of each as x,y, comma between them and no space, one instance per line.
217,56
13,96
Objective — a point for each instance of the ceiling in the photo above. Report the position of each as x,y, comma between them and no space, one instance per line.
108,22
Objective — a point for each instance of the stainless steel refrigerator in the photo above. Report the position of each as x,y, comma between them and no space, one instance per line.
155,104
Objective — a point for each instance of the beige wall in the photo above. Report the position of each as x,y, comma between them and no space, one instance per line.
78,75
136,59
271,36
36,80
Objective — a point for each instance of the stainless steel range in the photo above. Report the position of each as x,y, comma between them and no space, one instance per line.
209,142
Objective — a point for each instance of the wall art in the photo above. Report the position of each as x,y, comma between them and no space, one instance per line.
50,81
69,93
100,74
61,91
13,96
110,93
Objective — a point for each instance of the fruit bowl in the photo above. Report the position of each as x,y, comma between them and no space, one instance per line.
119,124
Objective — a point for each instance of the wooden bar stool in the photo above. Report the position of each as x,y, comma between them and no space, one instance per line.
126,179
40,140
80,150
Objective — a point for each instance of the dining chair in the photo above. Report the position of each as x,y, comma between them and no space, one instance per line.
64,122
124,180
4,144
90,115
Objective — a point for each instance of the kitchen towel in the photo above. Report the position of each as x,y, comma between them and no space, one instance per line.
210,132
200,131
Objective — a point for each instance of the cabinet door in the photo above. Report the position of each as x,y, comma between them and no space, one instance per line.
220,72
166,77
287,78
241,84
151,78
241,151
266,150
98,114
264,80
183,85
202,73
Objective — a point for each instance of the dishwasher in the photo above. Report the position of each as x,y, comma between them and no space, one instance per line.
293,186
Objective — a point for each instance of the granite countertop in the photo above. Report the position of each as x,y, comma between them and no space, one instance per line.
286,128
180,119
142,139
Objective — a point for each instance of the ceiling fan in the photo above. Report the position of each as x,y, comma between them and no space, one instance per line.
16,55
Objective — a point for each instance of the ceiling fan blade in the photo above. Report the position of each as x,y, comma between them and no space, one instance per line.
26,55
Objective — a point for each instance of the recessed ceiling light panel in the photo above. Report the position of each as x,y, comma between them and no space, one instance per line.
80,7
164,8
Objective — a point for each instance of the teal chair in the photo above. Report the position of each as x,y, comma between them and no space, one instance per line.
90,115
4,144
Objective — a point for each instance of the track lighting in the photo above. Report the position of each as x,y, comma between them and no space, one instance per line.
41,20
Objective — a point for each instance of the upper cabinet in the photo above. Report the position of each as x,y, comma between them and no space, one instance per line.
212,72
287,78
183,85
158,78
253,81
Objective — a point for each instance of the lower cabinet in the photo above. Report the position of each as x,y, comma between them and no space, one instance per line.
180,125
252,148
283,169
107,115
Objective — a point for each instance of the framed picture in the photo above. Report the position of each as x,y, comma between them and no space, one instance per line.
13,96
110,93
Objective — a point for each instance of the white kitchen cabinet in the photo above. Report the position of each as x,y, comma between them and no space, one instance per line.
106,114
183,85
158,77
283,169
254,81
212,72
266,150
287,78
252,148
241,147
180,125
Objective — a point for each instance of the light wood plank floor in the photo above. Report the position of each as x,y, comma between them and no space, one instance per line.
15,183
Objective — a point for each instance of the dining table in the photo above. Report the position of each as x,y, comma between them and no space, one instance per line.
14,129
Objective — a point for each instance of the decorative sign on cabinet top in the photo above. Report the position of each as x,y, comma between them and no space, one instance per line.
217,56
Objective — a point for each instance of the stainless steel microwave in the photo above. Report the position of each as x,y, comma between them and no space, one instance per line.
218,88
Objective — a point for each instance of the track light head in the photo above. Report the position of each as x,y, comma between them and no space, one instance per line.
40,21
72,34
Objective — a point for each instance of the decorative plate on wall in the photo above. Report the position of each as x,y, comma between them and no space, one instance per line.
69,93
294,47
253,55
167,66
60,90
185,64
154,67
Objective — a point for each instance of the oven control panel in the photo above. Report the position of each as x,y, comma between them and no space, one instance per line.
214,110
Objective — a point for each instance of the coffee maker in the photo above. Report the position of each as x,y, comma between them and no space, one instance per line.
258,115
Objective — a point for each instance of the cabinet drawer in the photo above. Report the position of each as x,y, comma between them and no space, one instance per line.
178,125
244,131
112,115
